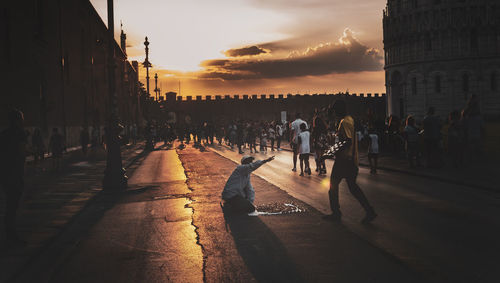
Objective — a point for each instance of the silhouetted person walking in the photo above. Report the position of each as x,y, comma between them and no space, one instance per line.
38,145
13,145
346,167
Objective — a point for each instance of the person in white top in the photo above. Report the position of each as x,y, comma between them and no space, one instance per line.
304,149
271,133
373,150
295,128
279,135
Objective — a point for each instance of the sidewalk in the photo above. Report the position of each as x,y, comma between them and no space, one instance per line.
51,200
478,175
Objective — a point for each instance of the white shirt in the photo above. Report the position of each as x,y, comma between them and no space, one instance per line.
373,143
279,130
296,128
239,182
304,146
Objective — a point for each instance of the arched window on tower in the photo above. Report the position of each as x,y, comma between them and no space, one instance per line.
437,85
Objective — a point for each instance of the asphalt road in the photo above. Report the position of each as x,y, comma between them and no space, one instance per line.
445,231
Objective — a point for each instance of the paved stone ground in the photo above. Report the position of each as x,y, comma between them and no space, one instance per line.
51,200
296,247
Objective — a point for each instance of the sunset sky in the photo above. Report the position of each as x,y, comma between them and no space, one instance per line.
256,46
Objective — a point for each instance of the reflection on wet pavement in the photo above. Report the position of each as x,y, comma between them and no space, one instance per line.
278,208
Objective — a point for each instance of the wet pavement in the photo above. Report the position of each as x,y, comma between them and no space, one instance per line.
446,231
144,234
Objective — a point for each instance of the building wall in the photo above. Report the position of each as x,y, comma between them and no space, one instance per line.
439,53
56,57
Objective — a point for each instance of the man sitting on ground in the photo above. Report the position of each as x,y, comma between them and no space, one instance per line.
238,194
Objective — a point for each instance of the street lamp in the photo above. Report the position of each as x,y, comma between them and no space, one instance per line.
156,87
147,64
114,175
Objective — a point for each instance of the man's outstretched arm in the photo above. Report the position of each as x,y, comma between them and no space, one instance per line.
248,168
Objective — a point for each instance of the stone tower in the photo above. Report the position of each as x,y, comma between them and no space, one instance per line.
440,52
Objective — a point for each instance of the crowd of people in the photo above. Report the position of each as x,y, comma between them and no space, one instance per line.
430,142
434,142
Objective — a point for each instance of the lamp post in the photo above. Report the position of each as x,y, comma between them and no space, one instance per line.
114,175
156,87
147,64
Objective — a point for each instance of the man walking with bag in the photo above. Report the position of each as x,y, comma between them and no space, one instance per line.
346,167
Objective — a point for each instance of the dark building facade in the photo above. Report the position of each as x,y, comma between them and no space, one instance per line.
267,107
55,55
441,52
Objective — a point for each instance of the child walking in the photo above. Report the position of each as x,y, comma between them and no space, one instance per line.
304,149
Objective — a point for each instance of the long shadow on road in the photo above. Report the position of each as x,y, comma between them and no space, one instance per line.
263,253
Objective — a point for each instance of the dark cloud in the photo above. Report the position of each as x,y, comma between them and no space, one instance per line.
348,55
214,63
245,51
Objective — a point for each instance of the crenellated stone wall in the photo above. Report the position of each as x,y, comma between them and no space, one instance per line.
268,107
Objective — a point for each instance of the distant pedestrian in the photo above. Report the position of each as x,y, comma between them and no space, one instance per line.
272,135
346,166
38,145
295,131
279,135
232,134
12,146
238,194
304,145
263,140
410,134
319,141
56,147
251,136
373,150
239,137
